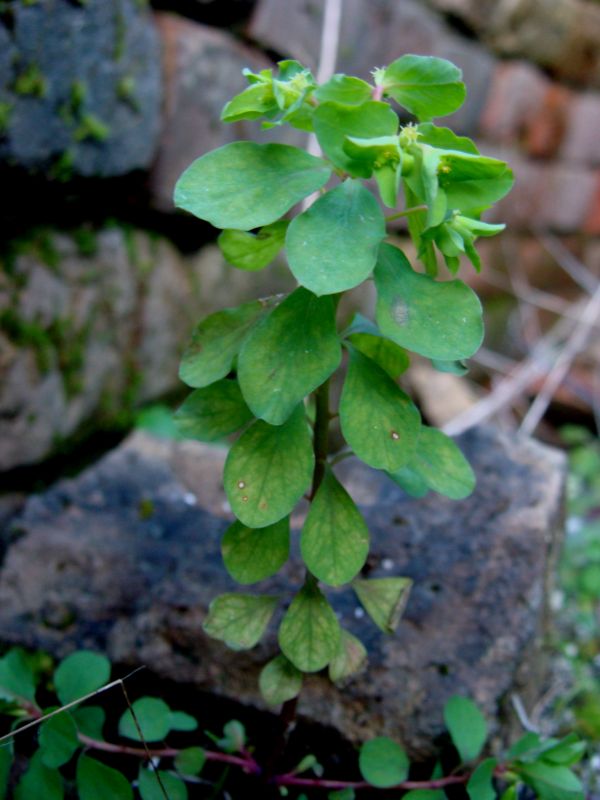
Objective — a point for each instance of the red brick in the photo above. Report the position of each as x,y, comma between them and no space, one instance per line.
545,129
592,221
582,140
516,96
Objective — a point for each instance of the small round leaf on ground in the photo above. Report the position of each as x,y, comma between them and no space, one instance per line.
279,681
153,716
383,763
79,674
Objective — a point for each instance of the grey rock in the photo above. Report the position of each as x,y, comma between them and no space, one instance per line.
80,86
125,558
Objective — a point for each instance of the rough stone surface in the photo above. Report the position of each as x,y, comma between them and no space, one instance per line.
80,86
86,338
125,558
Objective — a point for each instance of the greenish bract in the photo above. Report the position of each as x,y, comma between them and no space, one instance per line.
262,372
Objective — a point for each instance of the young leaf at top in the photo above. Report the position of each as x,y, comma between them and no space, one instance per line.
426,86
96,781
334,123
244,185
268,470
288,355
332,246
58,740
436,319
391,358
466,725
79,674
279,681
213,412
383,763
384,600
239,620
445,139
335,539
480,785
43,782
309,632
472,183
350,658
344,89
216,341
379,422
253,251
439,462
253,555
150,789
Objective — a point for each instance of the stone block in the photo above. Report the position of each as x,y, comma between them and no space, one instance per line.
88,569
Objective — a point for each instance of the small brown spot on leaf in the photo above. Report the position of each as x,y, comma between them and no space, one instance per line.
241,484
395,435
245,498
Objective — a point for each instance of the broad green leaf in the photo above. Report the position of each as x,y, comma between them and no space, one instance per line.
279,681
511,792
350,657
453,367
79,674
410,481
335,538
252,555
472,183
441,320
17,678
90,721
239,620
213,412
344,89
566,752
216,341
361,324
445,139
42,781
244,185
383,763
253,251
529,744
309,632
466,725
190,761
332,246
153,716
480,785
424,794
268,470
384,600
58,740
6,758
96,781
254,102
288,355
391,358
180,721
150,788
426,86
334,123
380,423
439,462
552,782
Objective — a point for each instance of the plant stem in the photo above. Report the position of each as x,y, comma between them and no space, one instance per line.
321,783
406,212
321,435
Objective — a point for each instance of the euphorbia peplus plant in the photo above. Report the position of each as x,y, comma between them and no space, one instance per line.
255,368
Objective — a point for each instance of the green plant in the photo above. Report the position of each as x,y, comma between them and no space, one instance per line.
265,367
71,748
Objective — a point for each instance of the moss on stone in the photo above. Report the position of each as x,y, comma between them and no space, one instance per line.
91,127
31,82
6,110
86,241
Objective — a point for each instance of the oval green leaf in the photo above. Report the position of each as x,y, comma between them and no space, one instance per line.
380,423
480,785
252,555
391,358
411,482
43,782
17,678
244,185
79,674
289,353
344,89
440,320
213,412
472,183
216,341
279,681
239,620
426,86
96,781
334,123
268,470
253,251
153,716
350,658
383,763
309,632
333,245
335,539
384,600
441,465
150,789
190,761
466,725
58,740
